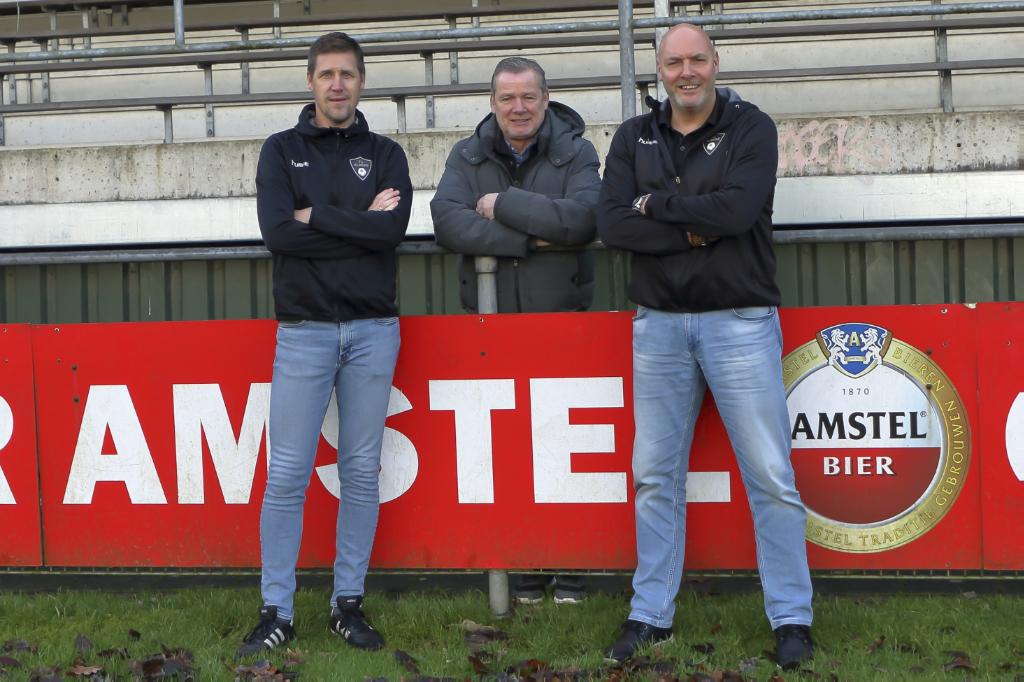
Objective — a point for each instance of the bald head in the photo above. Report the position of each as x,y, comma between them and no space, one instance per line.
687,67
692,29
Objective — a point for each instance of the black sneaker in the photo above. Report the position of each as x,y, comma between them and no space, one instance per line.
793,646
529,589
269,633
569,589
349,621
636,636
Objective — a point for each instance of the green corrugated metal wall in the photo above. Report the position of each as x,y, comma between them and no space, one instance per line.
872,273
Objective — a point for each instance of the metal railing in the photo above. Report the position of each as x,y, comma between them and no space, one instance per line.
624,26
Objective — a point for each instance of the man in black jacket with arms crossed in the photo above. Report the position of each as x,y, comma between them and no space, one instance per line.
333,201
688,190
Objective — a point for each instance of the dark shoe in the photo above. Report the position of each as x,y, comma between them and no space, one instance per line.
349,621
793,646
636,636
569,589
269,633
529,589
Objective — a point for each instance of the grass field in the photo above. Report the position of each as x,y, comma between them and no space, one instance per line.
196,631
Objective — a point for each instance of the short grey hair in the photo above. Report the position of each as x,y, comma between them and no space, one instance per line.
519,65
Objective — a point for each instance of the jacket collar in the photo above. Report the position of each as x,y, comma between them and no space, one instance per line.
555,138
306,127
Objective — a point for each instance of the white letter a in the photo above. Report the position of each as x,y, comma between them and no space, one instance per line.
111,406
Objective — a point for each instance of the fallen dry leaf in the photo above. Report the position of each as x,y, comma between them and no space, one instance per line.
715,629
479,667
82,644
407,661
134,635
15,645
706,648
119,652
876,644
46,674
961,661
149,667
81,670
476,636
8,662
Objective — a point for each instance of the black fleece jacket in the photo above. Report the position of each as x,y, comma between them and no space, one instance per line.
341,265
724,190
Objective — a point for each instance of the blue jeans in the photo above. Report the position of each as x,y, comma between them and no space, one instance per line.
737,353
356,359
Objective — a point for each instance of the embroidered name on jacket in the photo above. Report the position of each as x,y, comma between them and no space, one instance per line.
643,141
300,164
714,143
361,167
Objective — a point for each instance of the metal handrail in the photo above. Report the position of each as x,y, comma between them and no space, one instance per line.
533,29
829,235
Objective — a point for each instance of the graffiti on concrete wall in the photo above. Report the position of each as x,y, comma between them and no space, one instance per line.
834,146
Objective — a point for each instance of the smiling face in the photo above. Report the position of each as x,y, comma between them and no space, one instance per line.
519,103
336,85
687,67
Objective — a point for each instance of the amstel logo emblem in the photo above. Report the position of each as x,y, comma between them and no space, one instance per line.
881,441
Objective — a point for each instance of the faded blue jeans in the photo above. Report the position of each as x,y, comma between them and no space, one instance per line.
356,359
738,354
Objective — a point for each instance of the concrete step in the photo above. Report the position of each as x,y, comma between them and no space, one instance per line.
837,169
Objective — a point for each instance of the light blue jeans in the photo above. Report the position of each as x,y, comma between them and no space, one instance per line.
738,354
356,359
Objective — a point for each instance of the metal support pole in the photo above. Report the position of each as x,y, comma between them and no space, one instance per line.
124,14
497,592
168,125
208,80
2,130
428,76
945,75
13,97
487,303
277,15
179,23
87,24
400,102
662,8
244,65
453,57
486,284
627,67
44,77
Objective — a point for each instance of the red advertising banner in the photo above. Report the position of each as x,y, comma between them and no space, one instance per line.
508,444
1000,332
20,542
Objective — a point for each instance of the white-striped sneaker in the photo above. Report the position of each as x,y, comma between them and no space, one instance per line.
269,633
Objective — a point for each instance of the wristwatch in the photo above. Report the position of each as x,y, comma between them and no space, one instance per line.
640,202
698,240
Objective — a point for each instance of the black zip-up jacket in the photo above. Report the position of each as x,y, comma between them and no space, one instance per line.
341,265
725,190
